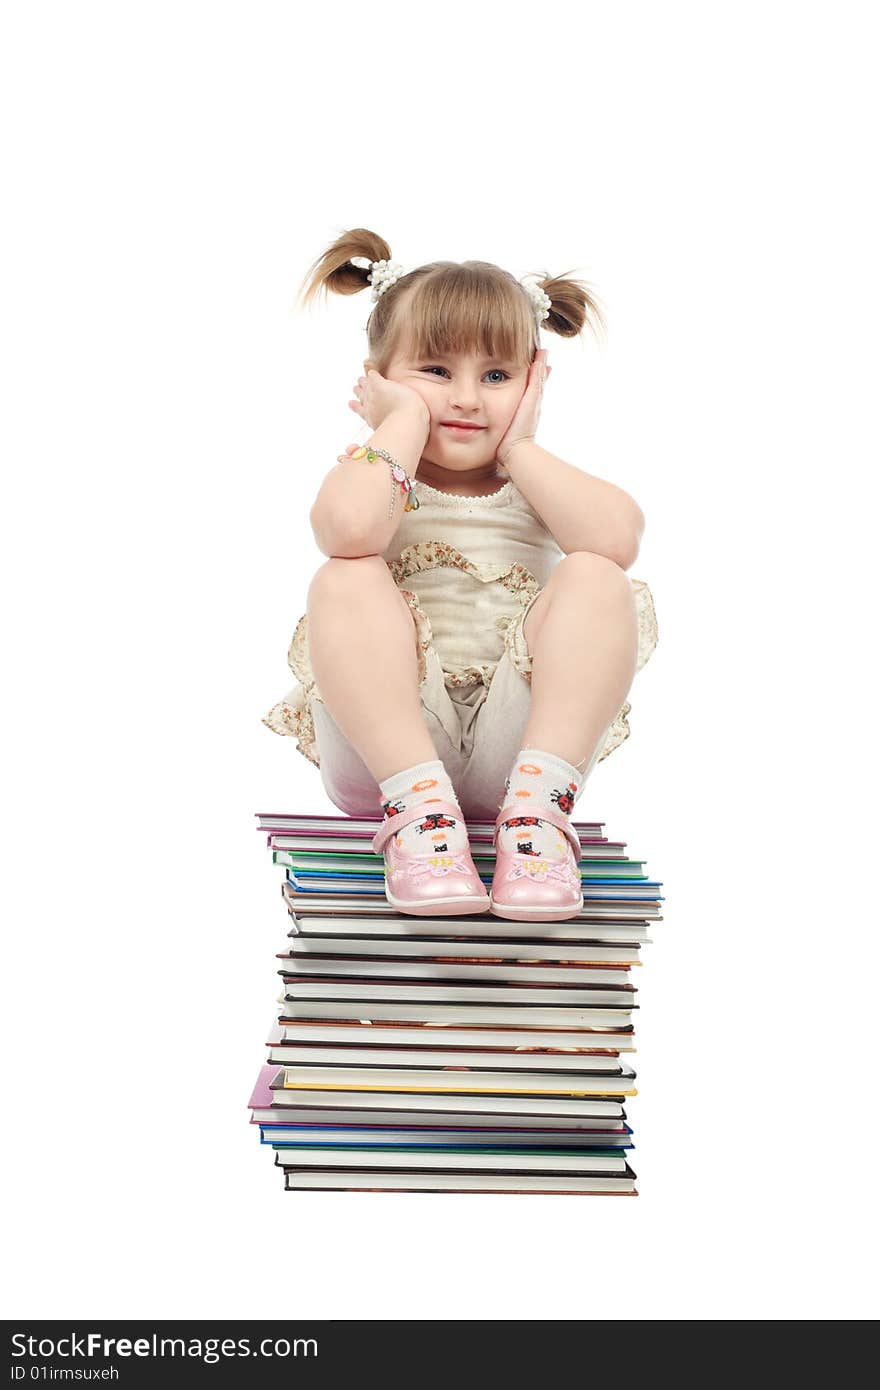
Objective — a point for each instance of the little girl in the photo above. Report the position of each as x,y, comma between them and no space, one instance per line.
471,640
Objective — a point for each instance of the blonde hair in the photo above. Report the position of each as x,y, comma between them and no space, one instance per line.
448,307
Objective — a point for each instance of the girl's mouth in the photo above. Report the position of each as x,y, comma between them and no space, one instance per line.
463,429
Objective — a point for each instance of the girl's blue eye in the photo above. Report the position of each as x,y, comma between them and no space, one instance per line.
492,371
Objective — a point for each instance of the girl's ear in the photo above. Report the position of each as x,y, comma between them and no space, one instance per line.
369,364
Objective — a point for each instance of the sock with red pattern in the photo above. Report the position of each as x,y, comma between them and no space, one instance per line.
434,833
538,779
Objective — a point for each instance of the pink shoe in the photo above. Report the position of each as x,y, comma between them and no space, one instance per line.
423,885
530,888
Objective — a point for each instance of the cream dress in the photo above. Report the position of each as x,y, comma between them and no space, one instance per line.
469,568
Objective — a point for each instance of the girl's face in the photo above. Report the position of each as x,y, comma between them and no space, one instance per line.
463,390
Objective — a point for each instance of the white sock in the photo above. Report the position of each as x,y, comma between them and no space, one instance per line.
433,834
538,779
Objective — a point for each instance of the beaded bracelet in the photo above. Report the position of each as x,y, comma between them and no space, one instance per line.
398,475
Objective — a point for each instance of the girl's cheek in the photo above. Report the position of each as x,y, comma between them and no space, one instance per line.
420,390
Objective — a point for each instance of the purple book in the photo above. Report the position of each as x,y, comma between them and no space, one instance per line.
262,1096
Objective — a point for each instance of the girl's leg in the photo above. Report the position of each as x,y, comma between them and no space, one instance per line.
582,634
363,654
362,648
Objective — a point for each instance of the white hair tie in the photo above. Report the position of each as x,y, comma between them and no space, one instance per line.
540,299
383,275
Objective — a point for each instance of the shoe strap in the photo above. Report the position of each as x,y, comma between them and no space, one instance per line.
546,813
418,812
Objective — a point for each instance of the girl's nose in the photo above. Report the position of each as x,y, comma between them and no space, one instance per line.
464,395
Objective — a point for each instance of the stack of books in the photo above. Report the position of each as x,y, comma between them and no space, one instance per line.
462,1054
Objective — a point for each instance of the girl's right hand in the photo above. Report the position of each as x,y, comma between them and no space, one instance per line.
377,398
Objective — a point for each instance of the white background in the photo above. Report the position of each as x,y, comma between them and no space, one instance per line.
170,172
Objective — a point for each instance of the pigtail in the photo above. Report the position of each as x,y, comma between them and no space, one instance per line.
335,270
573,305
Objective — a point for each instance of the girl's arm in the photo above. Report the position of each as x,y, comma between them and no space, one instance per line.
349,517
580,512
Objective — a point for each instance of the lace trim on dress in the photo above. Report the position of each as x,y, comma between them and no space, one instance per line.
450,499
646,618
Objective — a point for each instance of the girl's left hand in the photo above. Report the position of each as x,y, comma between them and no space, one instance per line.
524,424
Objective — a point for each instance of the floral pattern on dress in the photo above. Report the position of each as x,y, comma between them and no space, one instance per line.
429,555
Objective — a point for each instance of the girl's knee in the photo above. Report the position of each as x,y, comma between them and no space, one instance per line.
337,579
584,569
588,564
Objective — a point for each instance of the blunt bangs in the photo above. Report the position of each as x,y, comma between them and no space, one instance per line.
474,308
